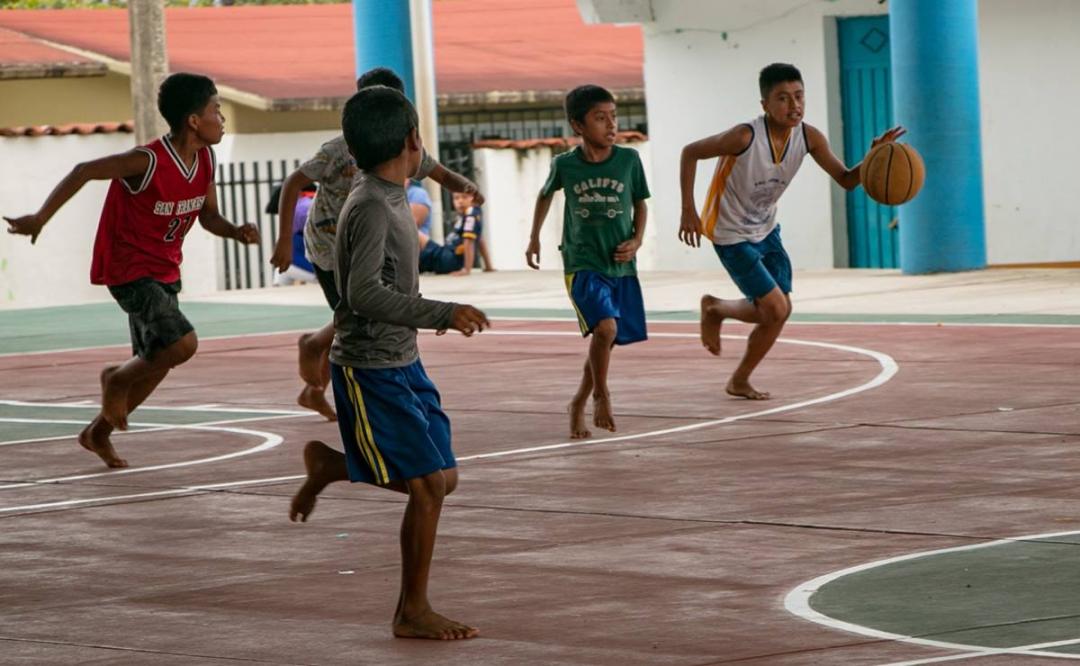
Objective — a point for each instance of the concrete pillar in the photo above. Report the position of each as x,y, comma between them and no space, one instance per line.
383,38
149,66
935,77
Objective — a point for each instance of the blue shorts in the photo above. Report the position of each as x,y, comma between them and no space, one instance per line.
440,259
597,297
757,268
392,424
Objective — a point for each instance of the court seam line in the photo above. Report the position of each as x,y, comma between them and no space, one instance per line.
797,600
117,648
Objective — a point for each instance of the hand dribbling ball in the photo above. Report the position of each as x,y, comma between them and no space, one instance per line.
892,173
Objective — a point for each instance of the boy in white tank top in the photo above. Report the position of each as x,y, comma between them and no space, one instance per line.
757,162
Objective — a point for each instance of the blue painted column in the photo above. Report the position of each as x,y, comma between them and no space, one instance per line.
935,74
381,30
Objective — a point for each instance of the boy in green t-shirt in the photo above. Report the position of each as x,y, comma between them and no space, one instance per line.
603,224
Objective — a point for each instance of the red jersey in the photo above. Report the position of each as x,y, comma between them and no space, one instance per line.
142,229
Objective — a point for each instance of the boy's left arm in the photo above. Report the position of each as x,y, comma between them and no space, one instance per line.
818,147
211,219
455,182
627,250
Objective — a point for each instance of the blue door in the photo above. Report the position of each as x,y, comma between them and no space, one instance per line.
866,91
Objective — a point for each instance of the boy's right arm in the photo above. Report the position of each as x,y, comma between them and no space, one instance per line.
532,253
290,192
132,164
732,142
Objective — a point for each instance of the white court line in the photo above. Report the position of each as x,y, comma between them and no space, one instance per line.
797,602
153,428
1019,650
270,440
888,369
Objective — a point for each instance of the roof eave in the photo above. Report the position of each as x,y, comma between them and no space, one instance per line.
51,70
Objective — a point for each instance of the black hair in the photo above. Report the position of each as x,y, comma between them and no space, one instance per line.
380,76
778,72
376,122
181,95
582,99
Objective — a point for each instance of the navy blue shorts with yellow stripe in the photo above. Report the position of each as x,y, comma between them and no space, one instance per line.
392,423
597,297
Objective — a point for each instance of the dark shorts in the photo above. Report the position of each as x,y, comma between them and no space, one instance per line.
392,423
757,268
154,315
440,259
597,297
329,287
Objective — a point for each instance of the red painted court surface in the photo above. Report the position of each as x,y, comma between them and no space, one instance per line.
676,540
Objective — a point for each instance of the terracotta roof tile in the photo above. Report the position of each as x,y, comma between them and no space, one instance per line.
25,57
126,127
306,51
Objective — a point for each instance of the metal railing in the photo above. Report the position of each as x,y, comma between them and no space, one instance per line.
243,190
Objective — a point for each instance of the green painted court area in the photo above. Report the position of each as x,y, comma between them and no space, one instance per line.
1001,595
101,324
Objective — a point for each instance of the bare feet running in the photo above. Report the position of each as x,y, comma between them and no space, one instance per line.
310,362
433,626
710,325
114,407
578,428
744,390
319,460
602,416
314,398
94,441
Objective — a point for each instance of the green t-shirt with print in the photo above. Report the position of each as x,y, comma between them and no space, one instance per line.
599,212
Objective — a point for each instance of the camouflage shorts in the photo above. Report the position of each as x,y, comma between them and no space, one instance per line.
154,315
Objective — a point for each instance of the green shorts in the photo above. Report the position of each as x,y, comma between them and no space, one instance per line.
154,315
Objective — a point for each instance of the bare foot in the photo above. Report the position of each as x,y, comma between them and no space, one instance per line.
96,440
744,390
710,325
320,461
114,407
314,398
310,362
602,416
432,625
578,428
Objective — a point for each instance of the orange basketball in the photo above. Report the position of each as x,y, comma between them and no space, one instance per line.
892,173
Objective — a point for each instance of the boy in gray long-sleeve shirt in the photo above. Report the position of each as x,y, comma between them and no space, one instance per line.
392,425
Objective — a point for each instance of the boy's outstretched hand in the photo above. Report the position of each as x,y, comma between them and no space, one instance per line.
532,253
27,225
627,250
690,228
247,234
889,136
281,259
468,320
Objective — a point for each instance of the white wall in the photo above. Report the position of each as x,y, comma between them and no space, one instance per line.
701,63
1027,74
510,180
56,270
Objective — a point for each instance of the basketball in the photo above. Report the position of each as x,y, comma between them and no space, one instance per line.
892,173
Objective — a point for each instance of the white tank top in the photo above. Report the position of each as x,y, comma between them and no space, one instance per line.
741,204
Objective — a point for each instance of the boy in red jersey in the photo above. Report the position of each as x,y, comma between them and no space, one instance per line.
157,192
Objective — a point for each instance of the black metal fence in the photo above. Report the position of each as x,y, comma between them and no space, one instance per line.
243,190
